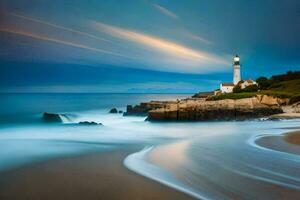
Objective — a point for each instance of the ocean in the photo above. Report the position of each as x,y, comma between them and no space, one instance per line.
25,137
208,160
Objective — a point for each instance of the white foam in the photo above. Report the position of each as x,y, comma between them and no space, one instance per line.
65,119
137,162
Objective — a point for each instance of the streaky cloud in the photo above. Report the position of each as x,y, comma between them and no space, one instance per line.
198,38
58,41
165,11
58,26
167,47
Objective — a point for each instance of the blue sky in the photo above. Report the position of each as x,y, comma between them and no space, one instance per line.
141,45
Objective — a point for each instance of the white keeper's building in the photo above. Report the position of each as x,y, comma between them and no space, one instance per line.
228,87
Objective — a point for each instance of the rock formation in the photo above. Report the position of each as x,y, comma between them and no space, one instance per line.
296,107
57,118
113,110
144,108
195,109
52,117
270,101
89,123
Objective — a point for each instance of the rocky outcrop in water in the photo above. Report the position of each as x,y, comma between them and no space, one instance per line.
53,117
195,109
113,110
143,108
89,123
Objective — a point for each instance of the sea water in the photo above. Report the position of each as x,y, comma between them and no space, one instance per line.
25,137
208,160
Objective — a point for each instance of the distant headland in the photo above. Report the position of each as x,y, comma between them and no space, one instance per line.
274,97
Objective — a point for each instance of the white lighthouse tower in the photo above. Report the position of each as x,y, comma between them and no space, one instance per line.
236,70
237,80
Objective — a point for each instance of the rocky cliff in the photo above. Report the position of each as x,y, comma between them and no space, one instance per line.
296,107
143,108
195,109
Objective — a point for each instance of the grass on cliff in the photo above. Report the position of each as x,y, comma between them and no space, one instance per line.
281,88
232,96
285,89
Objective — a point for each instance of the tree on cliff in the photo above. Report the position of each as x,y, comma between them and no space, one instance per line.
237,89
263,83
251,88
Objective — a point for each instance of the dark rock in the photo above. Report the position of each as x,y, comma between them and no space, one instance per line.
57,118
198,109
222,110
89,123
52,117
143,108
120,111
136,110
113,110
211,114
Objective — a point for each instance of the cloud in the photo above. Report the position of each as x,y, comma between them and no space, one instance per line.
165,11
164,46
197,38
58,26
50,39
127,47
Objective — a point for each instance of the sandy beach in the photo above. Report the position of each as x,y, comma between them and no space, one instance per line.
288,142
97,176
292,138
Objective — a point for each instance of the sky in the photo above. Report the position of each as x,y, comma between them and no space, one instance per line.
143,46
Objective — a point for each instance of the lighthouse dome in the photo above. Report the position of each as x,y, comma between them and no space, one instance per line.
236,58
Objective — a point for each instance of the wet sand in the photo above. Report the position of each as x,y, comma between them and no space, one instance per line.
97,176
287,115
292,138
288,142
209,178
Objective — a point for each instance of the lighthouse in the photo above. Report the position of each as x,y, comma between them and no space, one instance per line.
236,70
237,81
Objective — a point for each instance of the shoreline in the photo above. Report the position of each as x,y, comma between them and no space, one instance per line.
94,176
286,115
141,163
287,142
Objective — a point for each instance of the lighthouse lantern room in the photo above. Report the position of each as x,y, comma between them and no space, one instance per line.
236,70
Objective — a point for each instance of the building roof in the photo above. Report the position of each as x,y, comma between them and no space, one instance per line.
246,81
227,84
240,82
249,81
